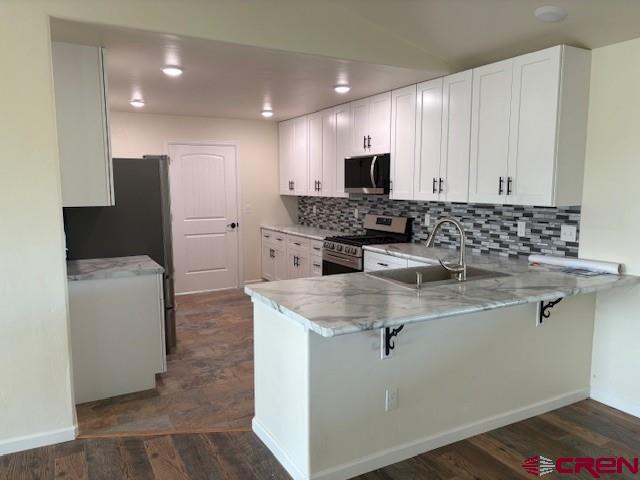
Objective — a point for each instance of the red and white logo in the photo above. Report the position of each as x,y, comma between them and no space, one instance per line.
538,465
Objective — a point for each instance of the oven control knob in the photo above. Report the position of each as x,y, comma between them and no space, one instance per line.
348,250
339,248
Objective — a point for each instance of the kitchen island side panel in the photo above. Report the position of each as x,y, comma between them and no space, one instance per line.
281,370
455,377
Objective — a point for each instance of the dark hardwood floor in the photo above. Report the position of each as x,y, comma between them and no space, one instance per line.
208,385
197,424
585,429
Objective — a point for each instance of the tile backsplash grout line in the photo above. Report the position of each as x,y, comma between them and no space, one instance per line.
490,228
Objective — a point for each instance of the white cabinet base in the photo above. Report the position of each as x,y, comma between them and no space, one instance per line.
117,335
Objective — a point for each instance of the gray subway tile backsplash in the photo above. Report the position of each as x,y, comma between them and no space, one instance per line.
490,228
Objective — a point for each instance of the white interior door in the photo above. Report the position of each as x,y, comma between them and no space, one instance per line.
204,207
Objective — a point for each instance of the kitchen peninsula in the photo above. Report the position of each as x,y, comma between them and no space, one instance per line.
330,405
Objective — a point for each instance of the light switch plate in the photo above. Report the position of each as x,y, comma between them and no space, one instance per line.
568,233
522,229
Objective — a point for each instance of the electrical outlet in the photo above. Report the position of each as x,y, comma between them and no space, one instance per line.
315,209
568,233
522,229
427,219
390,399
355,212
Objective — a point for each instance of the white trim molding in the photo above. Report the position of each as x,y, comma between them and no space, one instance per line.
271,443
27,442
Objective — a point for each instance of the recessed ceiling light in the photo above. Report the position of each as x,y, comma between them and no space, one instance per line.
267,113
343,88
172,71
550,13
137,102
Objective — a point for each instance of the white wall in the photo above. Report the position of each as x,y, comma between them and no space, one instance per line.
610,226
136,134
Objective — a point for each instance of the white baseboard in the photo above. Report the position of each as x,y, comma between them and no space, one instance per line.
266,437
249,282
616,402
27,442
402,452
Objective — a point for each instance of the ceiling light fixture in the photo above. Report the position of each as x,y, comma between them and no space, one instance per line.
172,71
267,113
136,102
343,88
550,13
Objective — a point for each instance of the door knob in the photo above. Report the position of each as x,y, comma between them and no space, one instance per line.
232,225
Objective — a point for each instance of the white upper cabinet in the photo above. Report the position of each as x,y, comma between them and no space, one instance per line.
403,136
293,138
428,140
83,126
490,114
343,139
443,122
316,145
453,185
528,145
371,125
324,162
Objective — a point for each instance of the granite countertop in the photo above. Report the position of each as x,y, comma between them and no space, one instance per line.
116,267
302,231
350,303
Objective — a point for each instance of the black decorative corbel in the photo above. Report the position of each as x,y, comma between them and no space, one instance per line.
389,344
544,311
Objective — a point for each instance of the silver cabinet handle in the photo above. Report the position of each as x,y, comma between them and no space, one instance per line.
364,142
509,182
434,189
500,186
440,182
383,264
373,166
369,141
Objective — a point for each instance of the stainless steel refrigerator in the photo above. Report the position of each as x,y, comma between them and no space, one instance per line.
138,224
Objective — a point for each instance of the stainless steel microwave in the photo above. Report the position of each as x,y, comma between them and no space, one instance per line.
367,174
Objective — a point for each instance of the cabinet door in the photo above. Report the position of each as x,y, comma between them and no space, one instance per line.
343,144
490,111
300,157
403,136
285,152
298,264
378,261
428,140
316,142
281,266
456,136
534,113
329,154
380,124
360,116
268,260
83,127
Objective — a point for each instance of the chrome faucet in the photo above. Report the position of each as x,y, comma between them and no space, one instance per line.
460,270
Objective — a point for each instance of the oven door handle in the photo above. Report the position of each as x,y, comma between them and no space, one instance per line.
345,261
371,171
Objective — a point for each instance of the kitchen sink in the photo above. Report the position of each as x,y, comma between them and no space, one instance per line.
431,275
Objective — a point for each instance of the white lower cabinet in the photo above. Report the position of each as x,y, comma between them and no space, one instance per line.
117,335
378,261
289,256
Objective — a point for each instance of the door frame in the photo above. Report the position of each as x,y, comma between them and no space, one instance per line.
240,235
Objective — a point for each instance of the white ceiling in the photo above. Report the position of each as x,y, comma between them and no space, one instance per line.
234,81
469,33
226,80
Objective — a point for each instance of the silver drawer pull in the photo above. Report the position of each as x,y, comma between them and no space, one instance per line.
383,264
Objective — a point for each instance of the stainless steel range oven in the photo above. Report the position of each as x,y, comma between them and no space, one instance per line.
344,254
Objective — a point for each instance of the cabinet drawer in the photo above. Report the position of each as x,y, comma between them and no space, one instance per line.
298,243
316,247
378,261
273,236
316,266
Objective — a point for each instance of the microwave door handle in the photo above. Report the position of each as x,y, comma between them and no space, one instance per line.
371,171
